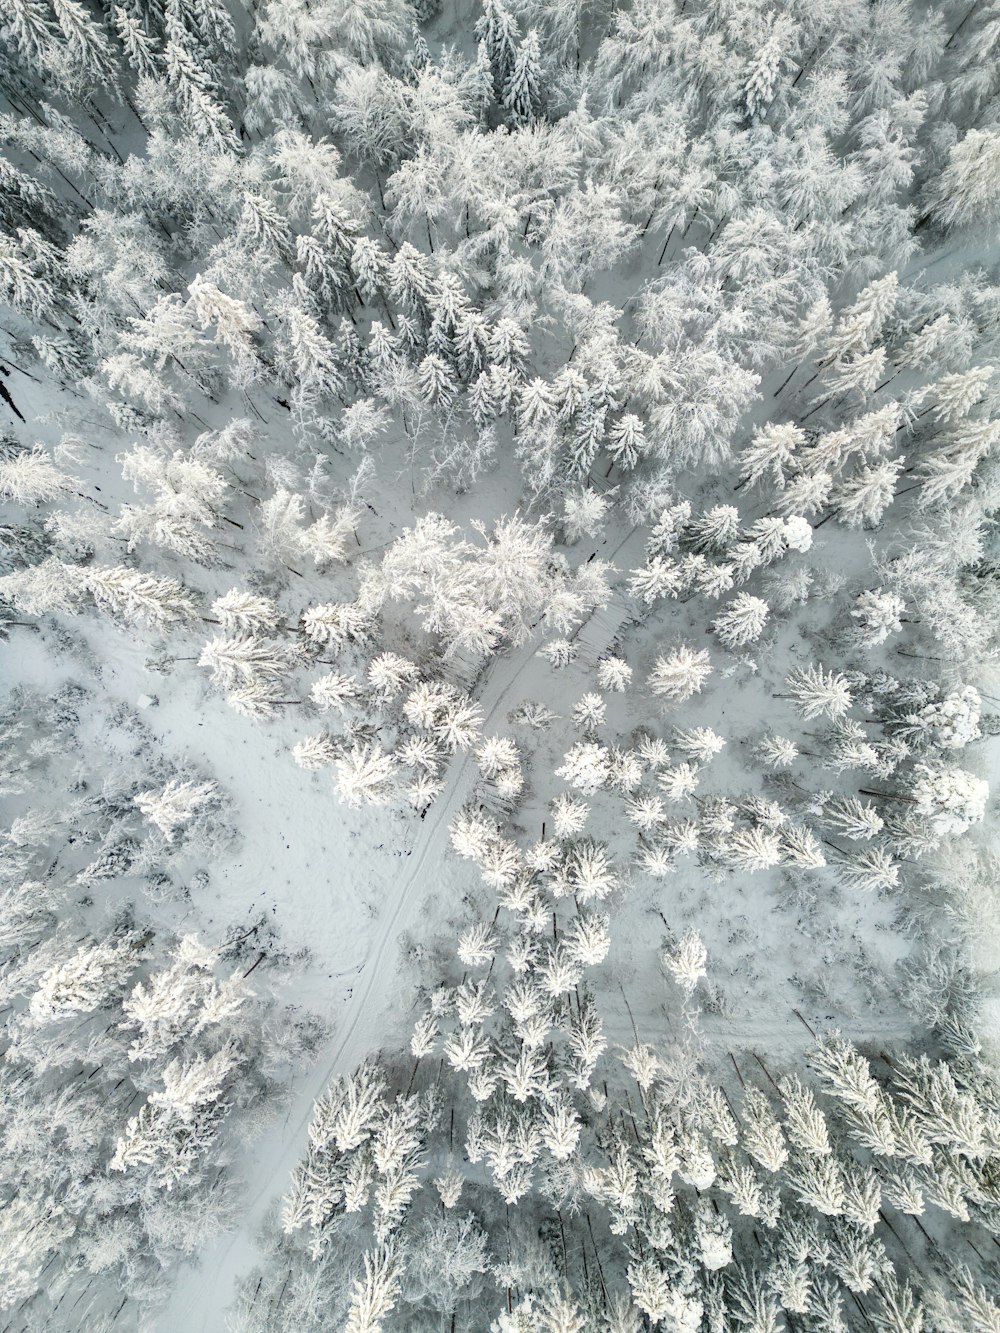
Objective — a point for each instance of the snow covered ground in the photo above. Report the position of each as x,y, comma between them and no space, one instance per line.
357,264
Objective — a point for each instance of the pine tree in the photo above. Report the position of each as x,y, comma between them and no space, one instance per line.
498,32
819,693
864,497
950,799
245,613
968,189
521,90
85,980
680,674
176,804
879,614
765,68
243,660
364,775
374,1296
138,598
30,478
686,960
742,621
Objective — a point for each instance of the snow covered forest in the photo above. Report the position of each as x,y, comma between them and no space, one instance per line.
500,617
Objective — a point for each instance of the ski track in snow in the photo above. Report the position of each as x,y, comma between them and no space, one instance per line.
199,1303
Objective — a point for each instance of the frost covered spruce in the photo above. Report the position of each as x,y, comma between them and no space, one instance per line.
950,799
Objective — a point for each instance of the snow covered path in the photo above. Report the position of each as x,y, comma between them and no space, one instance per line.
202,1295
200,1302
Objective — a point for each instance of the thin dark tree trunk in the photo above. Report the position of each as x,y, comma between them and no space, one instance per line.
960,27
665,244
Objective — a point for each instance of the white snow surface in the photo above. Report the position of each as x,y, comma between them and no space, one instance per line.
347,890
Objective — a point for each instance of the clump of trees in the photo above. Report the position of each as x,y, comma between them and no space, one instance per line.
131,1054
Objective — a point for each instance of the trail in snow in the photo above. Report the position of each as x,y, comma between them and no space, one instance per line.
201,1299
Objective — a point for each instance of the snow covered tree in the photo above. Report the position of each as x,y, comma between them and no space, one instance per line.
245,613
364,775
950,799
586,767
30,478
499,263
819,693
879,614
678,675
613,673
176,804
521,90
742,621
244,660
137,598
375,1294
968,189
686,960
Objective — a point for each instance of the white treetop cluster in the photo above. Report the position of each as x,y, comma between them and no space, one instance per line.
129,1050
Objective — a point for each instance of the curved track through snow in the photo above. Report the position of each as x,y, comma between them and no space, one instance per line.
203,1295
